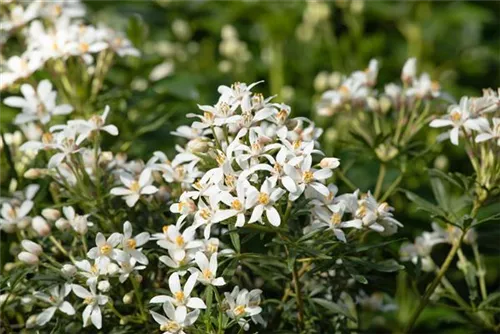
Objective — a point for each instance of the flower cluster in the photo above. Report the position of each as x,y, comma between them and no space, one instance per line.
53,31
357,90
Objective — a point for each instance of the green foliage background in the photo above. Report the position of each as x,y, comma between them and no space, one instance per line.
457,42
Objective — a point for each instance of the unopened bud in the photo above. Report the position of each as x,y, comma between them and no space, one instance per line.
28,258
32,247
384,104
103,286
9,266
33,173
128,298
62,224
23,223
6,298
329,163
197,145
51,214
138,278
68,270
372,104
41,226
123,321
31,322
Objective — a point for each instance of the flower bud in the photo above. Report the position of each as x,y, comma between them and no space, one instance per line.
409,71
41,226
80,225
9,266
329,163
103,286
51,214
197,145
62,224
31,322
68,270
384,104
28,258
33,173
128,298
372,104
138,278
123,321
470,237
32,247
6,297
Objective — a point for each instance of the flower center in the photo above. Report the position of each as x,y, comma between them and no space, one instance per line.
263,198
239,310
52,299
229,180
170,326
296,144
205,214
179,296
131,243
134,186
308,176
165,227
282,115
212,247
336,219
106,249
456,116
179,240
236,204
84,47
88,300
207,274
93,269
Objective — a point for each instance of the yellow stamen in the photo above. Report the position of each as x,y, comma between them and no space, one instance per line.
236,204
131,243
308,176
263,198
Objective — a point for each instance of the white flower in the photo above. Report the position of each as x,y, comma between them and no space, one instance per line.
79,223
20,67
207,270
178,243
306,177
459,117
241,304
409,70
19,16
127,267
135,188
91,272
57,302
13,215
176,319
65,142
105,250
181,297
332,218
39,105
490,133
237,204
94,124
93,300
129,243
264,200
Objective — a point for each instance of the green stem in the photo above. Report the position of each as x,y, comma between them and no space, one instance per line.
138,296
58,245
425,299
344,178
380,180
481,271
392,187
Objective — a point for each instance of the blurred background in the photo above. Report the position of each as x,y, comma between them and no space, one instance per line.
299,49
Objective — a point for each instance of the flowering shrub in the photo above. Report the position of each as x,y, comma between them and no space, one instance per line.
253,224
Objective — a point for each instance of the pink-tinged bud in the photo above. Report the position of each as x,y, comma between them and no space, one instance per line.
32,247
51,214
62,224
41,226
409,71
28,258
329,163
32,174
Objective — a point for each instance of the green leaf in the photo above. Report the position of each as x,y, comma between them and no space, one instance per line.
333,307
137,30
235,238
424,204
